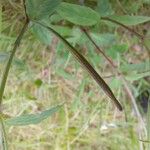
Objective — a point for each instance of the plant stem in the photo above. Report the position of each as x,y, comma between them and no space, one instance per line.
126,27
129,92
142,38
98,48
7,68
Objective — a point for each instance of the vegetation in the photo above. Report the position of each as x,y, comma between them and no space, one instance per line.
50,54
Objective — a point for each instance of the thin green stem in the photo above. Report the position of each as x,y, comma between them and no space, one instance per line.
7,68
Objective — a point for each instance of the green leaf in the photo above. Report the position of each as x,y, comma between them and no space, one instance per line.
40,9
136,76
45,36
104,8
140,67
105,39
64,31
115,83
130,7
55,19
130,20
80,15
117,49
32,118
41,33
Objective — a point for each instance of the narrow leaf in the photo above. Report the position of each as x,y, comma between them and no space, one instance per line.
41,33
32,118
114,50
130,20
80,15
136,76
138,67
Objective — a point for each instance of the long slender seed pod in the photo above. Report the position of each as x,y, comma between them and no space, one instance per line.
85,64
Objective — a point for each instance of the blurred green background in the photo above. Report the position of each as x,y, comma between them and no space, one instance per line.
44,74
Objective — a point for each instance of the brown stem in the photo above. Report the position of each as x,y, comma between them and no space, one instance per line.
129,92
129,29
98,48
126,27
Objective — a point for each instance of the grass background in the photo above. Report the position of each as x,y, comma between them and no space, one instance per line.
45,75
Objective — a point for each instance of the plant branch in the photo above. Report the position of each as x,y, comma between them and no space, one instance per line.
85,64
122,77
98,48
126,27
16,44
25,10
131,30
6,71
